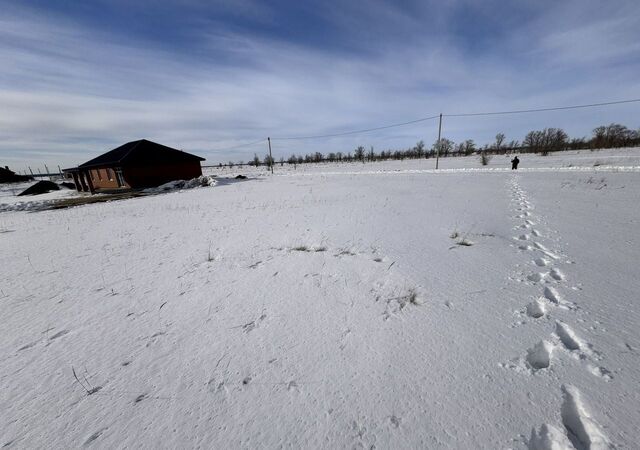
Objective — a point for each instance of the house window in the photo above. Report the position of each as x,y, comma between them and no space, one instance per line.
120,177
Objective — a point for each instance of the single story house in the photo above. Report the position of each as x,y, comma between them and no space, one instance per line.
135,165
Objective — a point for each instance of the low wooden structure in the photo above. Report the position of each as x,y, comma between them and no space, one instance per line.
9,176
135,165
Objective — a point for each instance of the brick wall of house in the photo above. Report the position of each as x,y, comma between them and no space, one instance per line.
104,178
150,176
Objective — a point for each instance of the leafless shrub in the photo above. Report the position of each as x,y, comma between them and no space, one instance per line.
305,248
85,383
461,240
402,301
413,299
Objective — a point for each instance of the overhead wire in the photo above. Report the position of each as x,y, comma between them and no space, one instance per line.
557,108
424,119
346,133
247,144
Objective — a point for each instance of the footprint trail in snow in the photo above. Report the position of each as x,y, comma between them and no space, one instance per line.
579,430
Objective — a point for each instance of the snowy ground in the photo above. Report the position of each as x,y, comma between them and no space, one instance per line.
10,201
330,307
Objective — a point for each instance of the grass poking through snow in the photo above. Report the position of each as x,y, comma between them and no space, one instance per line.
461,241
304,248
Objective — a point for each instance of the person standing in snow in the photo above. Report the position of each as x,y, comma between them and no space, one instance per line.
514,163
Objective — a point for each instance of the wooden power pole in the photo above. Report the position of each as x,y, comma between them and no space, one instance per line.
438,145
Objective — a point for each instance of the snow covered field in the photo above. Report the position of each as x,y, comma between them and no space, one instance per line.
10,201
332,306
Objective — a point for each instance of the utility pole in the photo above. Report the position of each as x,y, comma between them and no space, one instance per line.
270,157
438,144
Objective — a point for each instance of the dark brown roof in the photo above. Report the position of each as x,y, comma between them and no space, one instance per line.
140,153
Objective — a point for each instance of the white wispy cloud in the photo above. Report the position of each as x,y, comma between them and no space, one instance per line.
70,91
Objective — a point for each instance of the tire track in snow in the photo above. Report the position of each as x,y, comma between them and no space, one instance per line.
580,429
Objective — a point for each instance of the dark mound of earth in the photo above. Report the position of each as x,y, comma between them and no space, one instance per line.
41,187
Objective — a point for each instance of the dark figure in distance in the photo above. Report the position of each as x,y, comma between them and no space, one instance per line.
514,163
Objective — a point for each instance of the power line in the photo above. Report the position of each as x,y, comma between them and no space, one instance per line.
247,144
557,108
424,119
354,131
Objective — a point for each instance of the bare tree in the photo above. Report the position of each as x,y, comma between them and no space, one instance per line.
469,147
372,154
547,140
444,146
499,141
419,149
612,135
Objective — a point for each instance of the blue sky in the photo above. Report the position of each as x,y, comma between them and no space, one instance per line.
80,78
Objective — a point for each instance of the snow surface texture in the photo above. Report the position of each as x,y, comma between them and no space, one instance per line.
398,309
9,200
184,184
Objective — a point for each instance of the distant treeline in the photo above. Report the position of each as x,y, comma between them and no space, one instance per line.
536,141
